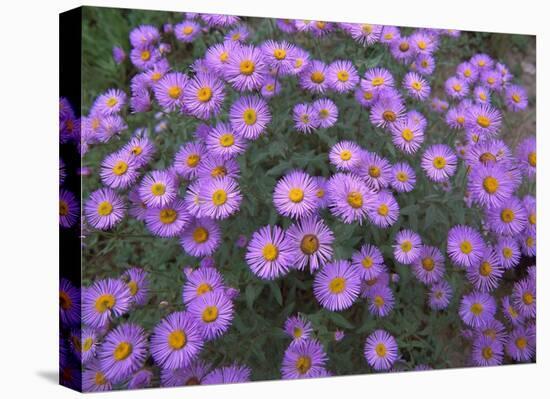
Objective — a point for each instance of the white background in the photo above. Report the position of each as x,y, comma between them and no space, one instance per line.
29,203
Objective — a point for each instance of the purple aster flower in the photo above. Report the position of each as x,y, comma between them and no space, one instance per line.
364,34
491,78
109,126
386,111
389,34
402,50
482,61
137,281
213,312
477,308
377,79
493,330
424,64
368,261
137,208
223,142
487,275
429,267
104,209
483,120
311,240
200,282
220,198
239,33
187,31
249,116
176,341
103,300
526,153
342,76
219,20
298,328
336,286
403,178
380,300
423,43
508,252
516,98
217,56
304,358
366,97
524,297
456,117
94,379
301,60
228,375
192,198
327,112
490,186
203,96
271,87
456,88
201,237
69,209
144,58
169,90
119,55
140,149
295,195
141,380
322,28
509,218
69,303
144,36
487,352
407,136
246,69
521,344
482,95
417,119
345,155
384,211
169,220
109,103
529,243
305,118
510,312
123,352
381,350
87,345
440,295
314,77
279,56
188,159
322,196
119,170
439,162
269,253
465,246
374,170
407,247
489,152
213,167
417,87
439,105
140,101
530,204
467,72
187,376
339,335
349,197
158,188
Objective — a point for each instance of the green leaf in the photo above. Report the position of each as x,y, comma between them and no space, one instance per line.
339,320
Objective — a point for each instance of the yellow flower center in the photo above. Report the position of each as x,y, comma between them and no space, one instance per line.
378,301
468,72
64,300
203,288
460,120
270,252
303,364
210,314
297,332
122,351
383,210
377,81
532,158
367,95
483,121
389,116
482,96
507,215
145,55
406,246
155,76
466,247
343,76
337,285
249,116
528,298
374,171
345,155
521,342
439,162
428,264
204,94
168,216
236,36
177,339
105,302
120,168
174,92
380,349
416,85
317,77
193,160
227,140
137,150
407,134
516,98
111,102
200,235
487,353
507,252
355,199
490,184
320,193
299,62
388,36
279,54
187,30
533,219
485,269
104,208
476,309
422,45
309,244
269,87
100,378
218,171
87,344
247,67
404,46
133,287
63,208
224,56
487,157
296,195
158,189
367,262
219,197
402,177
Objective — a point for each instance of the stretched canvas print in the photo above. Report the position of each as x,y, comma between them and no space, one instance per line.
248,199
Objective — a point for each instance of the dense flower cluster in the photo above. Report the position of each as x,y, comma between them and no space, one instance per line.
228,91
